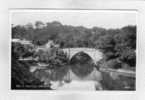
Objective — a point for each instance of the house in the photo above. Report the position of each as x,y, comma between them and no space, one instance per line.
47,46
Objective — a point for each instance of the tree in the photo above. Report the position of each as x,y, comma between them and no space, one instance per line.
39,24
112,42
22,78
19,32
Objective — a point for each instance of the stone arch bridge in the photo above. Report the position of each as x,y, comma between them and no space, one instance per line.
95,54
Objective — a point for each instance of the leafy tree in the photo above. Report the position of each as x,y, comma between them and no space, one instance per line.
21,77
39,24
114,43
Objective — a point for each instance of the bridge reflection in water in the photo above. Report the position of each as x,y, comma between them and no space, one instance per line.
92,80
81,73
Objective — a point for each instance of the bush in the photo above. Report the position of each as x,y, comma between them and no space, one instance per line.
21,77
114,63
19,50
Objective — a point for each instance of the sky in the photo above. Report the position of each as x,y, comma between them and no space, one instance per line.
87,18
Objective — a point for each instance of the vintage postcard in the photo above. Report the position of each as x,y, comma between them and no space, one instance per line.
81,50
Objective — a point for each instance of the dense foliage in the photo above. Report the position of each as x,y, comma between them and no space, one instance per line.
118,45
21,77
57,62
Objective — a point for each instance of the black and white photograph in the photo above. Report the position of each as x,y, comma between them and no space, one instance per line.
73,50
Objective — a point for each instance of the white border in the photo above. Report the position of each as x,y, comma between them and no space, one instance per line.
13,11
29,95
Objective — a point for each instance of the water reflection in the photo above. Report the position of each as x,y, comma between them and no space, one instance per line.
80,73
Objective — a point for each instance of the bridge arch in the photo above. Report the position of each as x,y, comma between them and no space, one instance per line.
95,54
75,56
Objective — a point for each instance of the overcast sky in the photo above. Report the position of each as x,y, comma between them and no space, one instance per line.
86,18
